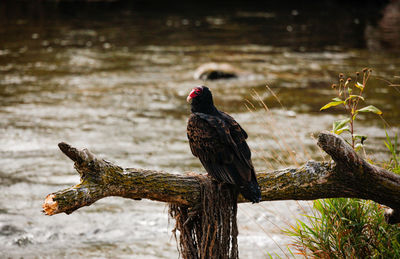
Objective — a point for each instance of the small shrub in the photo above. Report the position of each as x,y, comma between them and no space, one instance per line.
346,228
343,227
348,96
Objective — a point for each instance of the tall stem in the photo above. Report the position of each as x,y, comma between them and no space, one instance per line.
351,130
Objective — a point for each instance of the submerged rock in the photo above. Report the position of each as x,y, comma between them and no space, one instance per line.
24,240
8,230
214,71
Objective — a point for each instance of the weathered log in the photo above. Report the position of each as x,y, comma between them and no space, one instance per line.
348,176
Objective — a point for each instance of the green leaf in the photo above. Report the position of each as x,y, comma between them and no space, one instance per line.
349,90
389,146
336,103
354,96
339,131
392,147
337,99
370,108
362,138
341,125
358,85
355,115
358,146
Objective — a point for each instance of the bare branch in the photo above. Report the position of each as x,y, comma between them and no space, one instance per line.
348,176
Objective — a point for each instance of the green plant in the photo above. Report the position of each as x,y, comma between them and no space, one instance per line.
394,162
349,228
349,95
346,228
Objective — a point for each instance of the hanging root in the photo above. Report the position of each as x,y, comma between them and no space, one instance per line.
209,230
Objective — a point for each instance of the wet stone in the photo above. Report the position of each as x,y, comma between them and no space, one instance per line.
24,240
8,230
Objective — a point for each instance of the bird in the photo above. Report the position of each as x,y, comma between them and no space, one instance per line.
220,144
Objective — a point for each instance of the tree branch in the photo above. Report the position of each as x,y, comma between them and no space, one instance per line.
348,176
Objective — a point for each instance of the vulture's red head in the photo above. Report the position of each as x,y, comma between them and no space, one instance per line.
201,99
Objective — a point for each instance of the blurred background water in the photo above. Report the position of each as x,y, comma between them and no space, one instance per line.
113,76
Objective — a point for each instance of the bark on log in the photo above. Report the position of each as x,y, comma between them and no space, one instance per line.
348,176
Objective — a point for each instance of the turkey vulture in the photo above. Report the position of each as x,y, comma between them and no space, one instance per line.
220,144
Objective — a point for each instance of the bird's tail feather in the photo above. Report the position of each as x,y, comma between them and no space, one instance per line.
251,191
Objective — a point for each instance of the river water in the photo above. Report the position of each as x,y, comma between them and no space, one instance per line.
113,77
